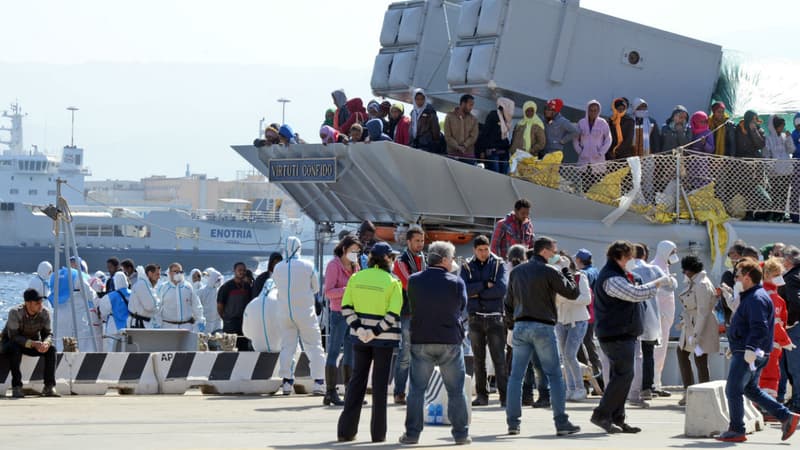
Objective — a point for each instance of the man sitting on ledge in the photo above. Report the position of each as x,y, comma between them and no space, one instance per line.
28,331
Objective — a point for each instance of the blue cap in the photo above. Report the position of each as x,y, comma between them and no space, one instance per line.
583,254
383,249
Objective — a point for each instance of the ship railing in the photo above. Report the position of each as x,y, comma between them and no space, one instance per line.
238,216
677,185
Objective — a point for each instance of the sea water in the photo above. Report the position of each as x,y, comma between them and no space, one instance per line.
12,285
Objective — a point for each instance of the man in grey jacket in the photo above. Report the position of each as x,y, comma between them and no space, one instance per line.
558,130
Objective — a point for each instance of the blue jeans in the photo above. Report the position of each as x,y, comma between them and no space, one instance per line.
450,360
743,381
403,357
570,339
793,364
497,162
338,342
530,337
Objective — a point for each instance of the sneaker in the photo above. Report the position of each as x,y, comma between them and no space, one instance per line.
400,399
513,431
319,388
480,401
407,440
646,394
731,436
287,387
605,424
627,428
662,393
789,425
639,403
50,391
466,440
567,429
17,392
576,396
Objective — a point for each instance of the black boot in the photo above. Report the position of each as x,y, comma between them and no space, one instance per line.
331,395
543,401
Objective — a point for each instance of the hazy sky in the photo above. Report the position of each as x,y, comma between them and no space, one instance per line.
164,83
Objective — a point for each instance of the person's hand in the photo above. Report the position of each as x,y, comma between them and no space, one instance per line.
44,346
750,357
698,351
361,332
489,285
367,336
789,347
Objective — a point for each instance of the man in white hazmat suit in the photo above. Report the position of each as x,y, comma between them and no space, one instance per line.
144,302
666,255
62,301
40,279
297,284
208,298
180,306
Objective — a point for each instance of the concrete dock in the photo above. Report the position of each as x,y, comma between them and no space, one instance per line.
196,421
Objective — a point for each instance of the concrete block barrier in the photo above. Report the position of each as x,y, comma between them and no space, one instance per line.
216,372
96,373
32,371
707,411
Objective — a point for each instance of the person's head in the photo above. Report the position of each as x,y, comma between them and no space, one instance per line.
553,107
620,105
718,111
45,269
349,247
777,249
441,254
373,108
778,123
583,258
679,117
196,275
773,267
480,248
128,266
791,257
396,112
153,273
356,132
415,239
112,264
620,252
751,252
641,251
522,209
748,272
419,98
593,110
691,265
366,232
466,103
572,266
545,247
329,115
274,258
73,262
517,254
176,273
33,301
386,105
382,256
735,252
239,271
529,108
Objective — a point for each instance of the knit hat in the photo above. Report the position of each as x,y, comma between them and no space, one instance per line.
555,104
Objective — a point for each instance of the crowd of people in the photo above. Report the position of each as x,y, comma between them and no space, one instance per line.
547,318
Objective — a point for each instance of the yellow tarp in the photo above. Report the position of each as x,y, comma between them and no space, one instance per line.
543,172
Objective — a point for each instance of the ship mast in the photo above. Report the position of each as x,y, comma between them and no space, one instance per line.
72,110
14,142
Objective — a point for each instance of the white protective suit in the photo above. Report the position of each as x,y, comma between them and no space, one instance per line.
260,322
296,282
110,329
40,280
208,298
181,305
666,307
144,302
64,323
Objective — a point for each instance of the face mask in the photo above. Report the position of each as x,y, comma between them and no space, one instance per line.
353,257
673,259
737,289
197,285
554,259
778,281
641,114
177,278
630,265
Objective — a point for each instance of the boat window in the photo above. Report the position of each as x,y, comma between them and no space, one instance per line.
13,191
32,192
187,232
50,193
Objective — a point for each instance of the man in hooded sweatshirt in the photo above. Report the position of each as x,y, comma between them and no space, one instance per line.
375,130
461,130
298,284
425,133
558,130
592,144
666,255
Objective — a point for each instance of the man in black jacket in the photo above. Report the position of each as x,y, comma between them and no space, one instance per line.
619,320
485,277
531,303
791,293
437,299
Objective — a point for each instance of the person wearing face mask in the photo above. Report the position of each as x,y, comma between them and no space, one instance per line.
666,256
180,306
144,301
771,375
530,306
699,328
371,307
410,262
113,308
727,282
751,340
197,279
337,274
791,293
619,318
297,284
208,298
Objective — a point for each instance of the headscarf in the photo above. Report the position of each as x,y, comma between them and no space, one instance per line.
678,110
616,121
699,122
329,122
749,116
505,116
374,108
719,135
331,135
528,122
417,111
340,99
287,132
644,116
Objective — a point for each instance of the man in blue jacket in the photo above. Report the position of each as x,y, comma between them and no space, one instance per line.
750,336
437,299
485,277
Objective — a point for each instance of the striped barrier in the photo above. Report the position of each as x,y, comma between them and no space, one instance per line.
216,372
32,371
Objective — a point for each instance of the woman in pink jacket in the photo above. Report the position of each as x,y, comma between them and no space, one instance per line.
337,273
592,144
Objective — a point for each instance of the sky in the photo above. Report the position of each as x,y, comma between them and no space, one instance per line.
165,83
